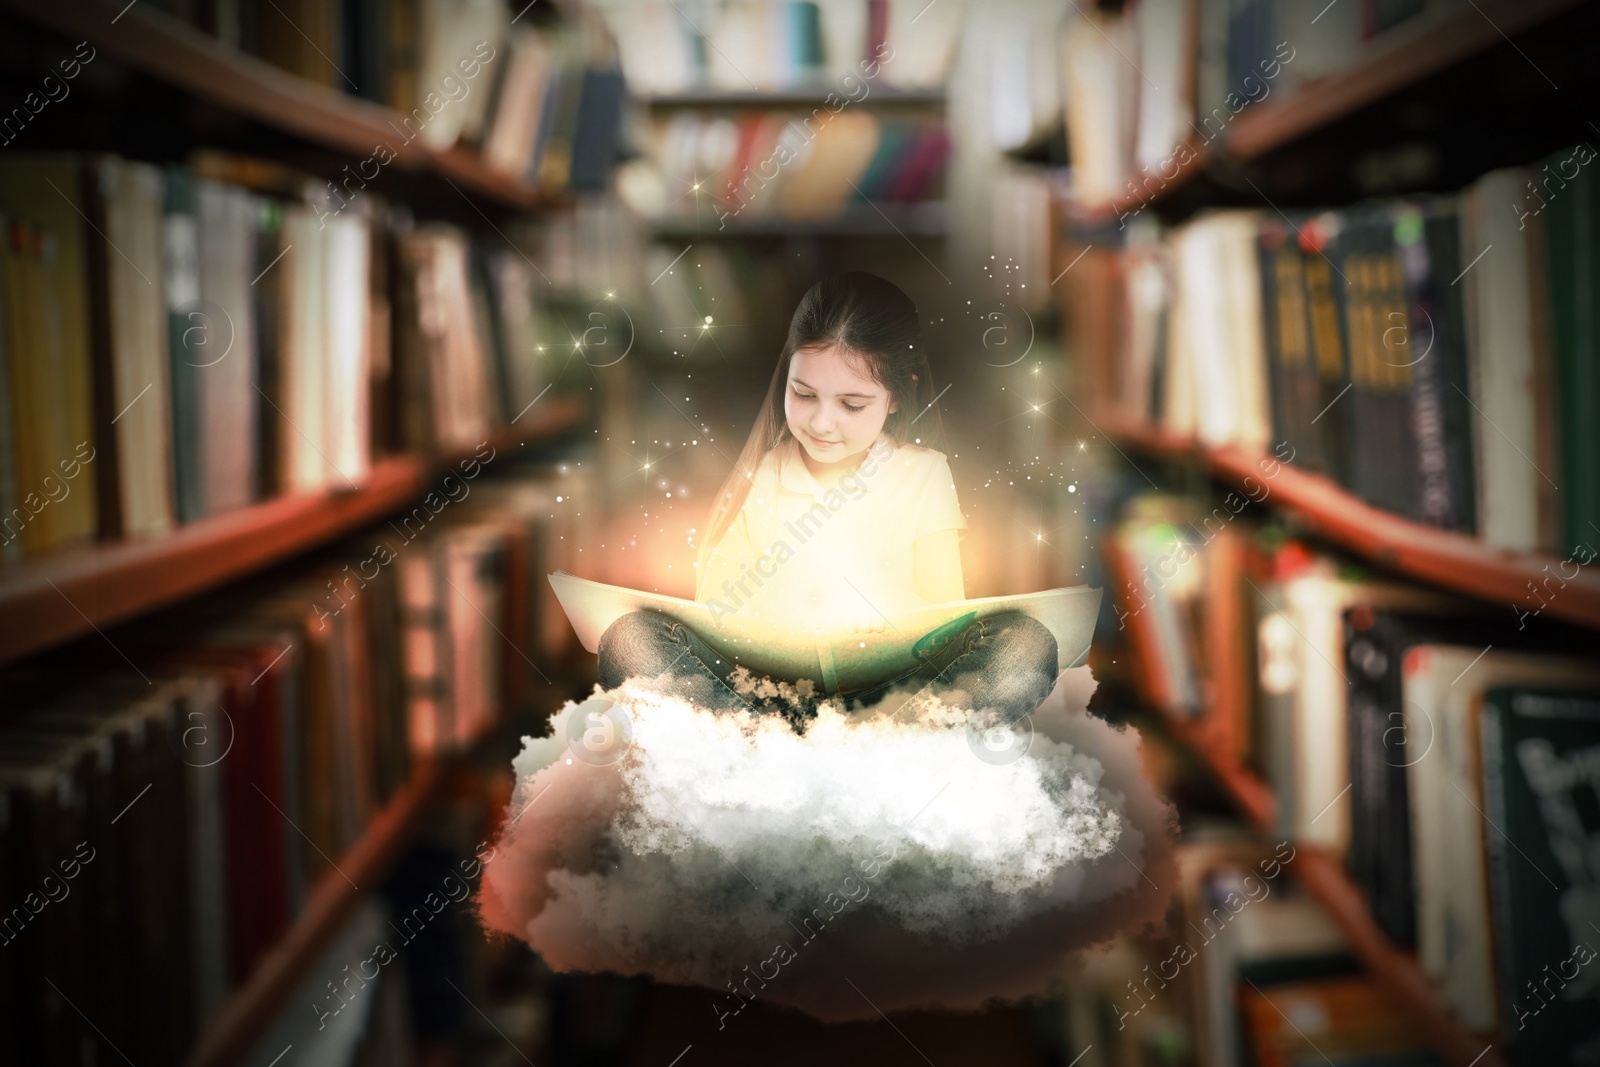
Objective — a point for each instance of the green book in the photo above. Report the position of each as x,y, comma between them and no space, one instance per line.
181,240
1572,207
1541,771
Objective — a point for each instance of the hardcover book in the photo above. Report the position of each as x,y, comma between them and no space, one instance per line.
841,660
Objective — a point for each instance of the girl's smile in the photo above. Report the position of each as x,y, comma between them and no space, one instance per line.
833,408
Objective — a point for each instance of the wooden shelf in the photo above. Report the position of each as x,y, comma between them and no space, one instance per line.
1448,560
1397,60
55,598
167,49
249,1012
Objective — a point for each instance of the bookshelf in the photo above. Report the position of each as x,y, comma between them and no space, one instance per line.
1299,145
164,48
1449,560
1324,878
54,599
231,1032
1399,60
199,93
1321,874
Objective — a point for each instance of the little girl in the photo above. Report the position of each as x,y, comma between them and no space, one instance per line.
836,518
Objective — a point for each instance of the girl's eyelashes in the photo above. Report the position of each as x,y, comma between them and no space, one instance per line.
812,396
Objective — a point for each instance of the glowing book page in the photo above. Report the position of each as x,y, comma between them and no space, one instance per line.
841,659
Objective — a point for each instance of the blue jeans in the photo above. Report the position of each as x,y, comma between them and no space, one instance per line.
1006,662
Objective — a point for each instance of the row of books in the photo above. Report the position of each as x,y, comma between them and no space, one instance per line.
1250,970
183,346
160,830
556,117
790,164
1437,747
748,46
536,101
1216,58
1431,355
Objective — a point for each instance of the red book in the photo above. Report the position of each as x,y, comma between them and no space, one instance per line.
918,173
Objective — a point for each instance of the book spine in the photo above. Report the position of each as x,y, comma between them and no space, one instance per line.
181,250
1489,734
877,26
1429,249
805,32
1319,390
100,182
1381,445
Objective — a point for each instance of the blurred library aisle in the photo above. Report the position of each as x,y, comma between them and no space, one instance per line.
329,329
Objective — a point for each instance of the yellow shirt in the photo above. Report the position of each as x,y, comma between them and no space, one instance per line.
803,558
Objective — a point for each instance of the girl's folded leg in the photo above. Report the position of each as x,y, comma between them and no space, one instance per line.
648,644
1006,663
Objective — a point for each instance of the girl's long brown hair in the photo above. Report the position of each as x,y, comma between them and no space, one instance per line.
874,322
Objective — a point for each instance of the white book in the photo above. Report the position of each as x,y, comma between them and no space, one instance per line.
458,374
1166,100
133,194
1320,812
457,33
923,36
302,356
346,355
1148,295
844,41
1500,361
739,47
1220,318
841,659
508,147
226,361
1099,105
653,43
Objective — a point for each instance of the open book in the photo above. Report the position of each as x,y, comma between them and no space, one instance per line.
840,660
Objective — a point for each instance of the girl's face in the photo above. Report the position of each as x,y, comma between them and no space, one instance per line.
833,407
